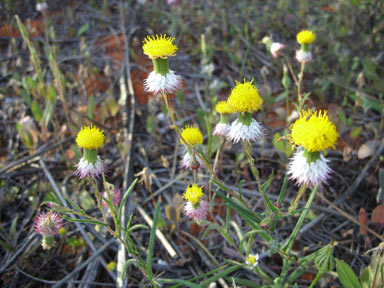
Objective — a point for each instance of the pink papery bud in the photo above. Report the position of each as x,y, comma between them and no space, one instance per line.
277,49
115,197
48,223
196,214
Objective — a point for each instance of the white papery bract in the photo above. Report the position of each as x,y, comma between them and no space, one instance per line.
85,168
187,162
304,173
156,83
303,56
197,214
250,133
222,129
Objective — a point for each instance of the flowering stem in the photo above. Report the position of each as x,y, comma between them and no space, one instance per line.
106,186
299,96
206,163
218,152
296,201
255,172
98,199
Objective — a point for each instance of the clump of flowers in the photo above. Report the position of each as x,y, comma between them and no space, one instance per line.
252,260
192,136
196,208
159,49
313,133
245,100
48,225
90,165
304,38
115,196
223,127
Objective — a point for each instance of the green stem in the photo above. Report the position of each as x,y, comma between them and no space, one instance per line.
288,246
296,201
299,82
318,275
255,173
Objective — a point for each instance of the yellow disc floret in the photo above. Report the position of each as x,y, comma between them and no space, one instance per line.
194,193
191,135
245,98
306,37
252,259
159,46
223,108
90,138
314,131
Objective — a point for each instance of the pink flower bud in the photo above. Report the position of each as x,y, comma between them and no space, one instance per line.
277,49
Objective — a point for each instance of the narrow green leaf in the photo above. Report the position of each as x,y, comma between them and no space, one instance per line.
83,29
178,281
77,207
137,226
126,265
37,111
125,197
12,231
283,189
84,221
346,275
219,275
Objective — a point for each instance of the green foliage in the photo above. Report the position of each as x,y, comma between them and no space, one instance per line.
346,275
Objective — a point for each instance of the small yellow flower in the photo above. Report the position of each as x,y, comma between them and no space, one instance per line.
159,46
194,193
111,266
62,231
245,97
223,108
191,135
90,138
314,131
252,259
306,37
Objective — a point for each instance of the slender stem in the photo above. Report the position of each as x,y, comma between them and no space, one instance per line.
255,173
296,201
98,199
299,96
218,152
287,102
288,246
291,70
318,275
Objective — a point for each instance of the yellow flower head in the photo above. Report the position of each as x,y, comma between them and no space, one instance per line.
111,266
314,131
159,46
194,193
252,259
223,108
306,37
191,135
90,138
245,98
